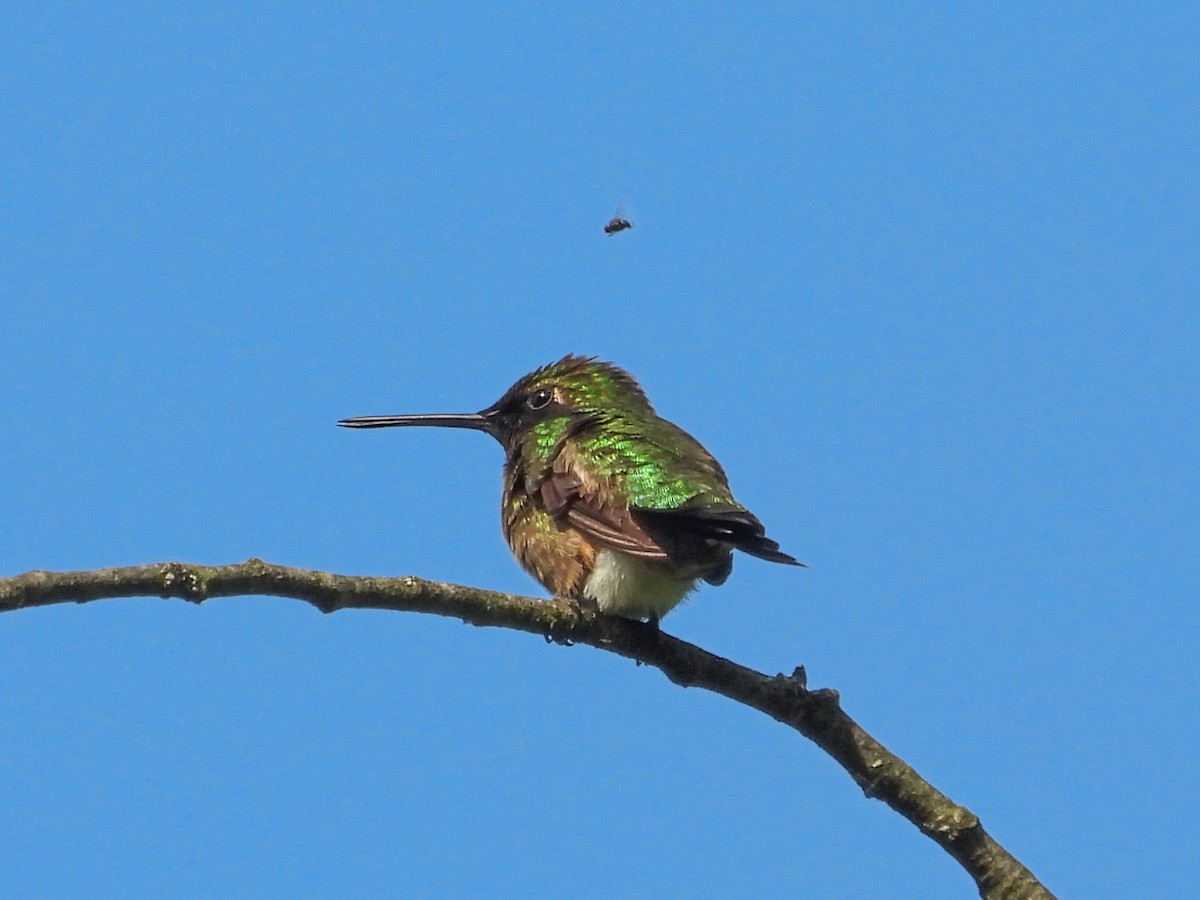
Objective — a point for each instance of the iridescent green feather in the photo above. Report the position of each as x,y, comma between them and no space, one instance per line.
646,461
590,384
656,464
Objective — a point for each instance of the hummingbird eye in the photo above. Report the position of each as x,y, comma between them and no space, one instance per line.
540,398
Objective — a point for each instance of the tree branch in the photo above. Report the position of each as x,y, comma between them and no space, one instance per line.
815,714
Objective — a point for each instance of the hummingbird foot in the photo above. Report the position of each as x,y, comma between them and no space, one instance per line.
562,634
584,606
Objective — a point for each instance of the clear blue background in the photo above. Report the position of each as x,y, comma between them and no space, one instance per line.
925,279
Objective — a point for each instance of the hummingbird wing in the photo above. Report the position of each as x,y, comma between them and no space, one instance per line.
568,495
647,488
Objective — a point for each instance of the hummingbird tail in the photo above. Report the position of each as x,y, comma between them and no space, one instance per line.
730,524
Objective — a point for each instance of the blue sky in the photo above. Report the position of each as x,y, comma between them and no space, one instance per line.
925,280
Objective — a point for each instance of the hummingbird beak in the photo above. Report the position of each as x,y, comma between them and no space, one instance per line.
480,421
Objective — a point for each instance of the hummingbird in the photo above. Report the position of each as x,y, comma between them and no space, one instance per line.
604,502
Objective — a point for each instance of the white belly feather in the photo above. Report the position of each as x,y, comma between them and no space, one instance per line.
626,586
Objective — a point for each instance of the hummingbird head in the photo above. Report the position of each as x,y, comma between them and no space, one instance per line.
575,385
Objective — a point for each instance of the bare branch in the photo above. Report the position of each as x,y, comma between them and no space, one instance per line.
815,714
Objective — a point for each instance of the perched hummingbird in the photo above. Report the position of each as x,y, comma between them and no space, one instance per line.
604,502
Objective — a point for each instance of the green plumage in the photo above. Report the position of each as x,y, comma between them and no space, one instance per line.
652,462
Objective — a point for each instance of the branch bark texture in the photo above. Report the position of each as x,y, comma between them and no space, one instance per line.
816,714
